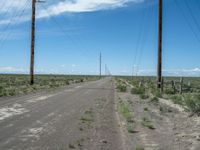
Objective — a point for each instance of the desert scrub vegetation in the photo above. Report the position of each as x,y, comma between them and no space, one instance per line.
11,85
121,88
139,148
121,85
147,123
138,90
177,99
154,99
124,109
185,93
76,144
88,116
192,102
143,94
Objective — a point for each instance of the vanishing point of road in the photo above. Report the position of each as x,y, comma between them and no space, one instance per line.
52,120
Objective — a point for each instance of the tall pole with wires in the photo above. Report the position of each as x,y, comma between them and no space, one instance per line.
32,43
100,57
105,71
159,69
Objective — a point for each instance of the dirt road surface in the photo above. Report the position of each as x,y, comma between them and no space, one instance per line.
81,116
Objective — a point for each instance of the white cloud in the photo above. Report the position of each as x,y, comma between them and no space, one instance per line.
62,66
74,65
8,6
71,70
77,6
56,8
172,72
192,70
10,69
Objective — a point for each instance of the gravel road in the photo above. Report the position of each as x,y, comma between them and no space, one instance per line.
80,116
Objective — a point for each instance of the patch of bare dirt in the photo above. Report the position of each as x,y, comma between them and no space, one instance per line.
160,126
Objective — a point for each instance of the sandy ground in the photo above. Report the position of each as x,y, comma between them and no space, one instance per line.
174,129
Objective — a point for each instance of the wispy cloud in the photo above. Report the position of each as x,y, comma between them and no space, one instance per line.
172,72
56,8
77,6
194,72
11,69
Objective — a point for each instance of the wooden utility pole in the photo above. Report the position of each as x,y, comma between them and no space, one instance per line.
100,65
105,70
32,42
159,69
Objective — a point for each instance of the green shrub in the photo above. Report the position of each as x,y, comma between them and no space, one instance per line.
177,99
154,99
11,85
192,102
130,128
144,96
158,93
139,148
125,110
169,91
147,123
138,90
161,109
67,82
1,88
121,88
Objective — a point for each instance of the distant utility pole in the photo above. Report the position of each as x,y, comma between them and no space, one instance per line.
32,43
159,69
105,70
133,70
100,65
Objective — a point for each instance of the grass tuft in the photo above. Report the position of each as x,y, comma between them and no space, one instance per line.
122,88
193,103
139,148
147,123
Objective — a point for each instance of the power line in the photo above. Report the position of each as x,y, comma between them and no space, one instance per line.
144,39
141,40
64,32
141,30
9,6
187,21
78,39
192,15
17,15
14,16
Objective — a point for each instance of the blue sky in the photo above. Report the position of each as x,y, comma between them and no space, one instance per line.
71,34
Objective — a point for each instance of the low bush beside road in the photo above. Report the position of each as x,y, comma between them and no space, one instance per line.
192,102
185,94
11,85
